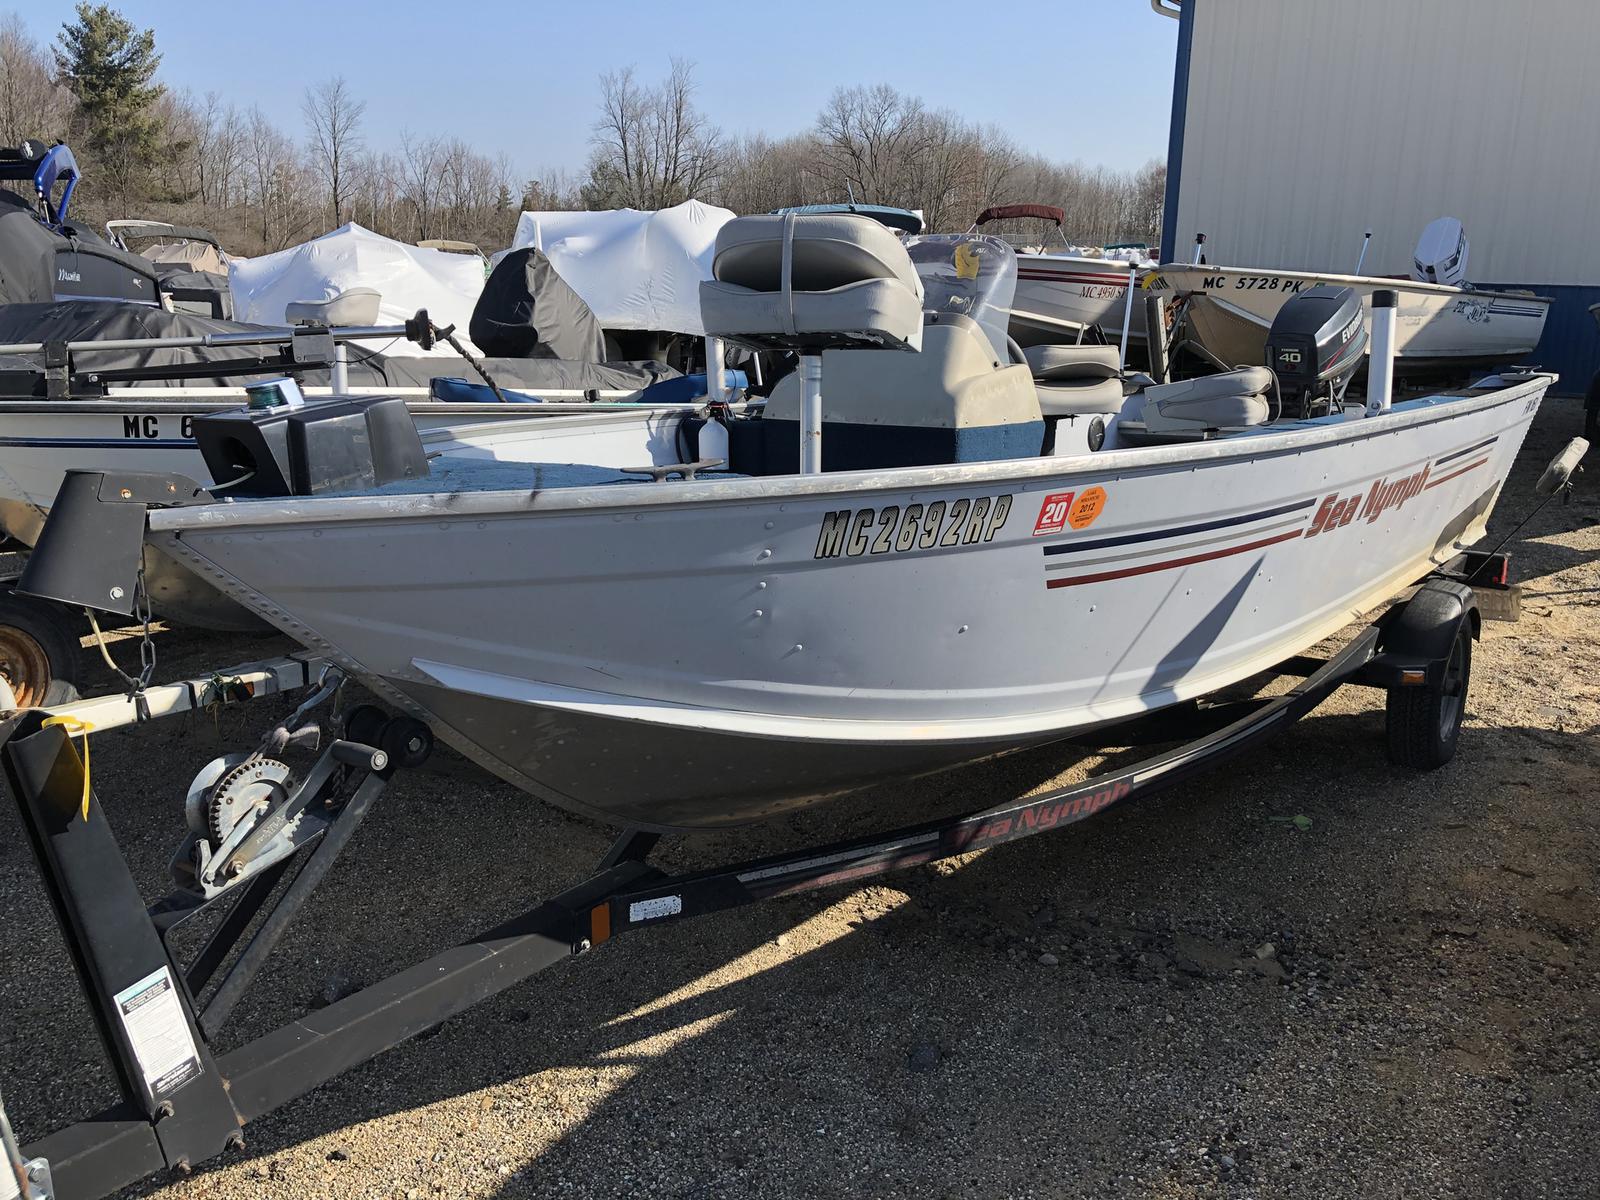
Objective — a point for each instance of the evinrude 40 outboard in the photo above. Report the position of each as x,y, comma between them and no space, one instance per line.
1315,345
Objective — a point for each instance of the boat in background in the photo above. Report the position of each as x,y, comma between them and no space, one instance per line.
1445,325
1062,295
191,263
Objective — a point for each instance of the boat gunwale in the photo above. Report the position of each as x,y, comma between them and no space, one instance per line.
304,510
1393,283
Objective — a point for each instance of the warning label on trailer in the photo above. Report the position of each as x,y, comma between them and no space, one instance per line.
162,1043
655,908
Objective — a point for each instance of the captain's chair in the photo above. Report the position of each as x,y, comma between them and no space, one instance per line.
834,281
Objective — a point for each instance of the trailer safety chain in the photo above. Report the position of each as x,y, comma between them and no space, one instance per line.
147,649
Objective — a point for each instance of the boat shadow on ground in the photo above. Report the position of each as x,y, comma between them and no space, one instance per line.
913,1036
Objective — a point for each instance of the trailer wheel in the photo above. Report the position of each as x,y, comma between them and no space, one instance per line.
1425,722
40,662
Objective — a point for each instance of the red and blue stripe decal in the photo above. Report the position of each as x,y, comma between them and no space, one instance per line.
1073,564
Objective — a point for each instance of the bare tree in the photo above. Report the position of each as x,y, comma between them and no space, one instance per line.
653,147
870,139
32,103
333,116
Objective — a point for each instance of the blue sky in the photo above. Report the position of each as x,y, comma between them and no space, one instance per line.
1087,80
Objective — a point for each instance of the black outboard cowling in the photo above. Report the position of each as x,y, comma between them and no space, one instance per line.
1316,343
342,445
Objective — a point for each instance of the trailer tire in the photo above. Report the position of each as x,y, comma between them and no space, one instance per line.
1424,723
41,662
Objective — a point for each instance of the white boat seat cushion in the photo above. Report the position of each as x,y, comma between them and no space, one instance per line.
1229,400
810,282
1050,363
1079,397
353,306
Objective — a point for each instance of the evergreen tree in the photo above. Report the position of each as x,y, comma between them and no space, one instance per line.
109,66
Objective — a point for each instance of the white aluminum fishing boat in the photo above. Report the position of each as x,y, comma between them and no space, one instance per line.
1442,324
984,563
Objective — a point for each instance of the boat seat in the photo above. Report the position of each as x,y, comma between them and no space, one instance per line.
353,306
1072,362
1229,400
1076,381
948,404
812,282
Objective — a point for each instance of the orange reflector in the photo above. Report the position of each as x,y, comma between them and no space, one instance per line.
1413,678
599,923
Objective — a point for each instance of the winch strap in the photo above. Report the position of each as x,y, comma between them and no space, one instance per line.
75,725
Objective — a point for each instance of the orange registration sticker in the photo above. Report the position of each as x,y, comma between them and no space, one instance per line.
1053,513
1087,509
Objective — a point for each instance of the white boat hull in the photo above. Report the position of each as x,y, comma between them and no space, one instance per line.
1059,296
1229,310
699,654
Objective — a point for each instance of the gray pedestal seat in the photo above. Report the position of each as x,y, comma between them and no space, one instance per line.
811,283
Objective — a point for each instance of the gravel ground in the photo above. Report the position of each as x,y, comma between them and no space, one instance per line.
1200,995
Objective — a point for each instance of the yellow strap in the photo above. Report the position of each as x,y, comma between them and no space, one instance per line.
76,725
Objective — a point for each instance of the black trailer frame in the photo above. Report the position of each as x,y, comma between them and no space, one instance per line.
200,1110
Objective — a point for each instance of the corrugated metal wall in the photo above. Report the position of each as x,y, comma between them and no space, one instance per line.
1309,121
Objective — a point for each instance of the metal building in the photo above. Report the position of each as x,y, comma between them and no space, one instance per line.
1297,125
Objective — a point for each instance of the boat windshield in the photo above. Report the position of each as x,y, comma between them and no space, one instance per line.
971,274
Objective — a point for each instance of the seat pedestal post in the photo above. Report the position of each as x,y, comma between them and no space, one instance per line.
811,414
341,369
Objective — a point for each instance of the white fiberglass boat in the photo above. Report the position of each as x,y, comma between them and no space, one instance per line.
1061,294
980,567
1442,322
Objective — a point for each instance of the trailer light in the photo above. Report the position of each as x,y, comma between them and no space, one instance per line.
599,923
1413,678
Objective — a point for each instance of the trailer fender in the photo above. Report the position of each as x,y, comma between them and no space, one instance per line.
1418,634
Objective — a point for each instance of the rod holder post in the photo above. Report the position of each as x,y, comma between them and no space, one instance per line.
811,414
1380,369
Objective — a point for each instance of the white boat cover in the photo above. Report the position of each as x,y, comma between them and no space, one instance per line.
408,277
635,269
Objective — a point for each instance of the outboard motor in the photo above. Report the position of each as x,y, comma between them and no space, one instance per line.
1316,342
1441,254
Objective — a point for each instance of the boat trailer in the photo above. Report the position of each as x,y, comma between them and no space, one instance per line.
157,1013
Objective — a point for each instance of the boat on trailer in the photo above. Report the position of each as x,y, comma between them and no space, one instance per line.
972,557
954,605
